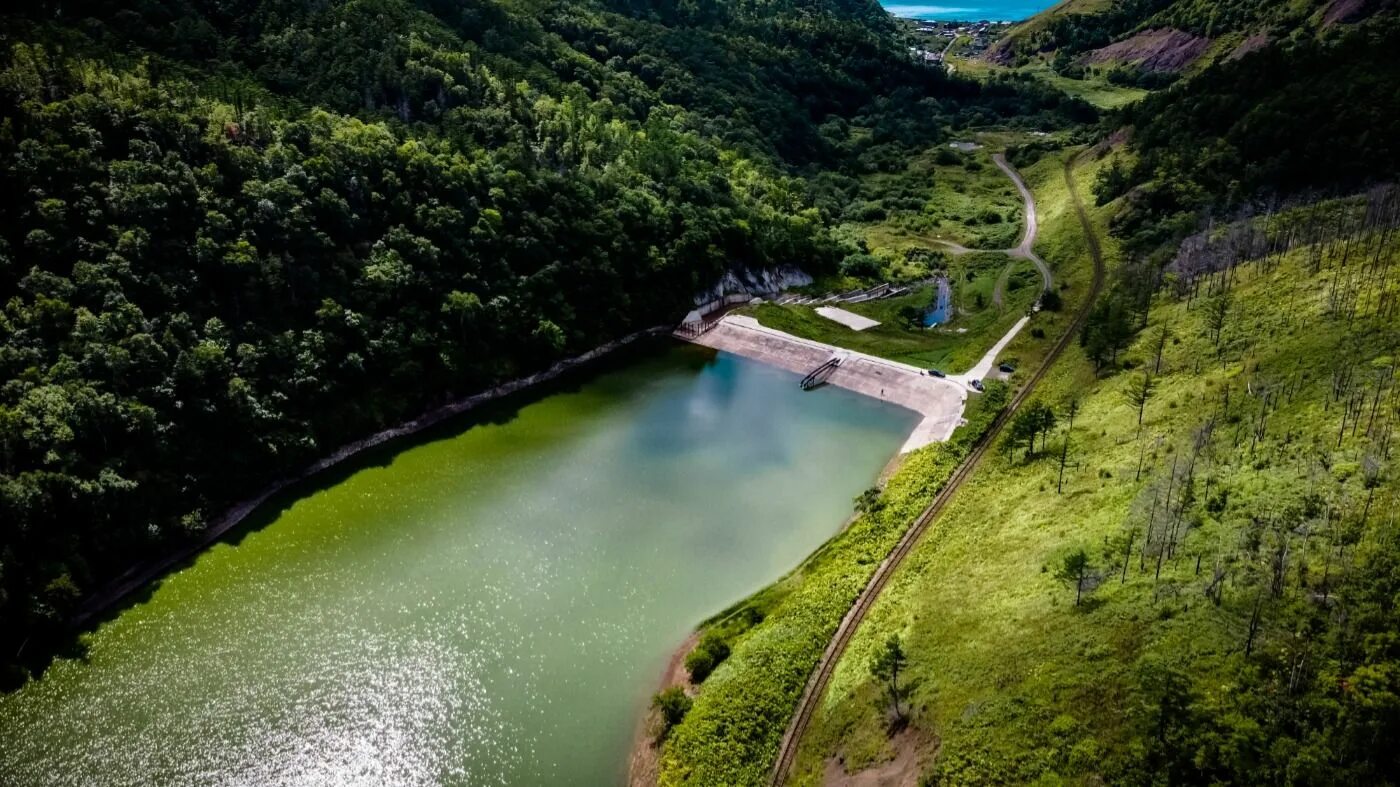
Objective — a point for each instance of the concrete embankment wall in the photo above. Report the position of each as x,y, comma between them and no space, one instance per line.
939,401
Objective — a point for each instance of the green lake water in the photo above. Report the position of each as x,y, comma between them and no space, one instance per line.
490,604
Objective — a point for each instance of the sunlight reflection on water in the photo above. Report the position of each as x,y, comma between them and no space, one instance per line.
488,607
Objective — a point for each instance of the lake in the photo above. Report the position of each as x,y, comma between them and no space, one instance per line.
973,10
488,604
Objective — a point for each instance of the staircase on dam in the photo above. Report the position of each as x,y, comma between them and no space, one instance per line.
821,374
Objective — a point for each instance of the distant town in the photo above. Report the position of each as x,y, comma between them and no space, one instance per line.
933,42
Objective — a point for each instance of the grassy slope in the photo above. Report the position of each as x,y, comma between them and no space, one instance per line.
731,734
1040,21
957,194
946,349
1068,260
1017,683
927,202
1093,88
1062,245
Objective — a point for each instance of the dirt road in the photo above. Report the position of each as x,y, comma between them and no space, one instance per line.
1026,249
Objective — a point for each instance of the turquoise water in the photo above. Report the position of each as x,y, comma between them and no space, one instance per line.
491,605
972,10
943,309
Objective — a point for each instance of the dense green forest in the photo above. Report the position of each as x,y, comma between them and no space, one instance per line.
241,234
1319,114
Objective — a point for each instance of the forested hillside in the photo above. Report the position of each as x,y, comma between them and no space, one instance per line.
240,234
1319,114
1076,29
1300,105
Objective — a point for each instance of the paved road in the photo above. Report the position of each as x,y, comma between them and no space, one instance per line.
983,367
821,674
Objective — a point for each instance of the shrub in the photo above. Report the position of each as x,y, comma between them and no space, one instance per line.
699,663
861,266
869,501
706,656
674,705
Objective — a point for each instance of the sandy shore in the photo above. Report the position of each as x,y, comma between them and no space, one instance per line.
644,764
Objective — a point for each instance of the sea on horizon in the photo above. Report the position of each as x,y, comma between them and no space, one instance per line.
970,10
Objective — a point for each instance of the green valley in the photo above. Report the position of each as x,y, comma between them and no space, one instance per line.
497,391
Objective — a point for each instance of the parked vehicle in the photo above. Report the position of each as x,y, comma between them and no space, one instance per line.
936,373
1006,367
977,385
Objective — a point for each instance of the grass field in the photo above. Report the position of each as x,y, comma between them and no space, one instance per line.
1094,87
977,324
1014,683
1062,245
976,327
954,196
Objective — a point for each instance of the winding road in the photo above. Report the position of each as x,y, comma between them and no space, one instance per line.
1026,249
821,674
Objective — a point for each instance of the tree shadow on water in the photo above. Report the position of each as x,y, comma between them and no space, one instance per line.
69,643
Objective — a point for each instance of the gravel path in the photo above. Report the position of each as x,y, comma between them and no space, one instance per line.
1026,249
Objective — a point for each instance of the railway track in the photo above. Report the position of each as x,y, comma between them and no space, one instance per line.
821,675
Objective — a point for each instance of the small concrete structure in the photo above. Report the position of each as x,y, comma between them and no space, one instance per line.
939,401
851,320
